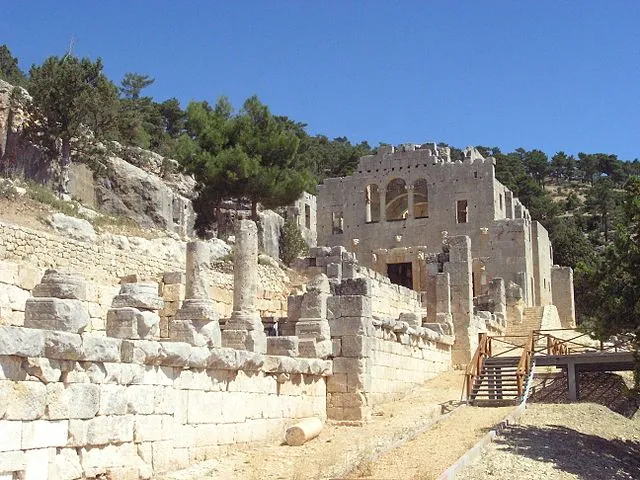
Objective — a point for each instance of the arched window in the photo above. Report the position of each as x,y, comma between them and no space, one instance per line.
372,203
420,199
396,201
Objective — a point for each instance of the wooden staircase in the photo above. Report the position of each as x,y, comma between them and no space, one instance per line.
497,383
496,379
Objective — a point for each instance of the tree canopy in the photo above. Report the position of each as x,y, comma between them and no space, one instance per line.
70,95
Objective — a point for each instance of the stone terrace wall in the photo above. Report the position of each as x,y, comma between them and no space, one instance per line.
27,252
376,360
82,405
389,300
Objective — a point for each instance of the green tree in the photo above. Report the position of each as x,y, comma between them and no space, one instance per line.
609,288
69,95
9,69
588,165
292,244
133,83
601,201
537,165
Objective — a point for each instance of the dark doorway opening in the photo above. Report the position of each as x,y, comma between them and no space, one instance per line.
400,274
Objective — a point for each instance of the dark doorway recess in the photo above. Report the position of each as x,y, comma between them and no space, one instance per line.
400,274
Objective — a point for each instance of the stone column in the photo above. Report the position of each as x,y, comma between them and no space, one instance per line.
244,330
383,204
367,196
498,293
196,322
410,213
312,328
459,270
197,264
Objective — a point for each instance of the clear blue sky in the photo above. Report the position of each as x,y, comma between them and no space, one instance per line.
549,74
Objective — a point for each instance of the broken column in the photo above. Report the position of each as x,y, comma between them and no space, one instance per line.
244,330
444,319
58,303
197,321
134,312
312,328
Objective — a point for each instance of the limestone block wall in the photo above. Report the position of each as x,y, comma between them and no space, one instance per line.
563,298
86,406
376,360
389,300
17,280
25,253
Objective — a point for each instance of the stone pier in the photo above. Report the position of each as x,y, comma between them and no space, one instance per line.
197,321
244,330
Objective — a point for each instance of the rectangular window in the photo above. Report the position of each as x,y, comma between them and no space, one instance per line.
461,211
337,222
500,195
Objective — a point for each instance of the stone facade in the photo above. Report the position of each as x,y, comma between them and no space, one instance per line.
303,212
403,204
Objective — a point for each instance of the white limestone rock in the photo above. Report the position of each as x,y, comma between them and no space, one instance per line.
76,228
143,296
131,323
56,314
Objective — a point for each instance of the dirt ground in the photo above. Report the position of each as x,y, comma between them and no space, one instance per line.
598,438
338,449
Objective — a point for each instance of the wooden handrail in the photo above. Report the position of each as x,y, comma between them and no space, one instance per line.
524,365
475,366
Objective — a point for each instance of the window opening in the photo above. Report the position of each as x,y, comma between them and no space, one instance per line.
420,199
461,211
337,222
400,274
307,216
372,203
396,200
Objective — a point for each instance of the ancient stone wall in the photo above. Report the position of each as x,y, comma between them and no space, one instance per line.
542,262
25,253
124,403
389,300
376,360
563,299
82,405
413,197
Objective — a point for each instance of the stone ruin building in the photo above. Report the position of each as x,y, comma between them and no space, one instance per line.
118,362
403,206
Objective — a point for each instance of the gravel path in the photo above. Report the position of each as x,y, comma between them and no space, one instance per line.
598,438
578,441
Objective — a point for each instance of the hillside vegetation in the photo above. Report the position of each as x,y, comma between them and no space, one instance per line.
590,203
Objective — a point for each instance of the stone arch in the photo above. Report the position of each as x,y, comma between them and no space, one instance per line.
396,200
420,198
372,203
